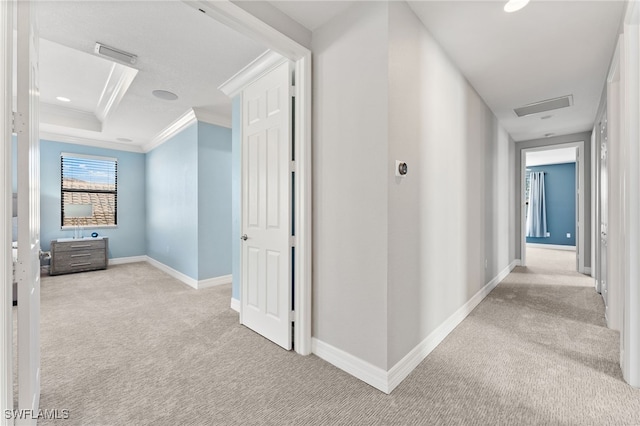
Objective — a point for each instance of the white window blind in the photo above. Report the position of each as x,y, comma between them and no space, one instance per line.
88,180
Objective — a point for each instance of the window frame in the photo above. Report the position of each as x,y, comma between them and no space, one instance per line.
89,191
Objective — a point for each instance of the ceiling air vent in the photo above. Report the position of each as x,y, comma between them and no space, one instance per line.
542,106
113,53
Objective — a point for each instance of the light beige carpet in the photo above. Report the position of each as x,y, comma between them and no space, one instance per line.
132,346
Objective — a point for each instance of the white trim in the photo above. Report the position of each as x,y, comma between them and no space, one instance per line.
119,81
181,123
191,282
552,246
56,115
630,356
407,364
227,13
587,270
205,116
55,137
260,66
6,281
216,281
124,260
303,206
235,304
580,197
368,373
388,381
87,157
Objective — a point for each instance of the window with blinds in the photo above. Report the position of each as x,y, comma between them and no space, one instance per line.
89,190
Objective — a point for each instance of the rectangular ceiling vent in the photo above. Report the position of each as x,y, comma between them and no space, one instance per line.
542,106
113,53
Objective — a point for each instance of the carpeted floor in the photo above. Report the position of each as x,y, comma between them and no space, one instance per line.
132,346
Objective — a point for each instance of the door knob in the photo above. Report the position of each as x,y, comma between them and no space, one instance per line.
244,237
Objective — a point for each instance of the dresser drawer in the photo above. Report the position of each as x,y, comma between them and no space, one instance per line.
79,261
81,245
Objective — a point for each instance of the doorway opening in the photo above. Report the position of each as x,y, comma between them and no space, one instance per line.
553,203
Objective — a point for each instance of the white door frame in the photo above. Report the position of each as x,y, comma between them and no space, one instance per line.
580,207
631,136
237,18
6,273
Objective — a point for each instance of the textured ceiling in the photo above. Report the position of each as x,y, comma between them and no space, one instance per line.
179,49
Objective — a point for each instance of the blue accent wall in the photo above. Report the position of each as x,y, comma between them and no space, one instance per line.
560,195
236,164
125,240
214,201
189,202
172,202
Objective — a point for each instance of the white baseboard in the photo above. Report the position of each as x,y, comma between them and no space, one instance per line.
516,262
368,373
387,381
212,282
552,246
123,260
191,282
587,270
235,304
407,364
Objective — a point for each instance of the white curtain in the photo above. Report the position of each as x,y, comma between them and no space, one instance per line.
537,212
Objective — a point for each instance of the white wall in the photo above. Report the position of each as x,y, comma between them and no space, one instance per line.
397,257
350,164
451,211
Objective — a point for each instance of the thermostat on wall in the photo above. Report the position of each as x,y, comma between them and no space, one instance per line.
401,168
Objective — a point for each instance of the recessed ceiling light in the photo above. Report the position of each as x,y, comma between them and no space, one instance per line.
515,5
548,135
164,94
63,99
124,140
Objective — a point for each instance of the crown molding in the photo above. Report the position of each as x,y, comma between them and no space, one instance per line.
118,82
68,117
212,118
56,137
247,75
184,121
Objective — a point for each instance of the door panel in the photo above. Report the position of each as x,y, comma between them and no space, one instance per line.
266,262
28,265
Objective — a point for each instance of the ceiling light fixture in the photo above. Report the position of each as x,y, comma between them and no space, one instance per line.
63,99
546,117
548,135
113,53
124,140
165,95
515,5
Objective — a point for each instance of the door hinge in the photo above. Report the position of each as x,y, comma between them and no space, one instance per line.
292,316
292,91
18,125
292,166
292,241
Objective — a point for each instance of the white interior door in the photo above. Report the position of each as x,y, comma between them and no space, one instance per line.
266,294
28,265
